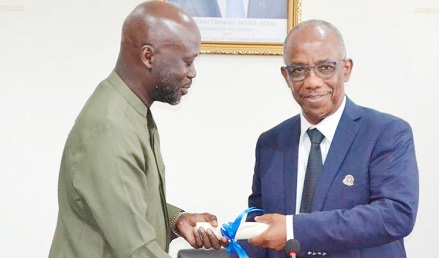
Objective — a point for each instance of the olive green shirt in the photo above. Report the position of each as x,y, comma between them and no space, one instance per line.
111,190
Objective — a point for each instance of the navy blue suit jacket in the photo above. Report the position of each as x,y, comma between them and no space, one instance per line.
269,9
368,219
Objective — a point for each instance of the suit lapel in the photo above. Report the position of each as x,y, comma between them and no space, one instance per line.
291,146
344,136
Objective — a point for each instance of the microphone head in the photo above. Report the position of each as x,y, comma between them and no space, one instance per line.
292,246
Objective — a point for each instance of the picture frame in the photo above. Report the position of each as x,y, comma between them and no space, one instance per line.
244,36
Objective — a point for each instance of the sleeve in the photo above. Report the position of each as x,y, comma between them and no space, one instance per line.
391,213
173,211
255,198
110,178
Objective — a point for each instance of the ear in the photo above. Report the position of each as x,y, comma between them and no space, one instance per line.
347,69
147,54
284,72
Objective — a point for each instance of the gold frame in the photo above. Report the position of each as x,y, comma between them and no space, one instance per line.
230,48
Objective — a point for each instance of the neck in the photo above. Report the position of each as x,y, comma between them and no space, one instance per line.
137,86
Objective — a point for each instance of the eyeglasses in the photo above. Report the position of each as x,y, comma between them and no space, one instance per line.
324,70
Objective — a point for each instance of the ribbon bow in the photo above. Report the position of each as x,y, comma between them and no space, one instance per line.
229,231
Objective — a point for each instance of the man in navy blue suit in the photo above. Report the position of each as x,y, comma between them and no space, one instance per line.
263,9
366,197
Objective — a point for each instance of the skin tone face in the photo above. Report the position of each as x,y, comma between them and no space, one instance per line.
312,45
159,45
175,66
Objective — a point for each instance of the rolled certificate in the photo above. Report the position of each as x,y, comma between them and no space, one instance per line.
246,230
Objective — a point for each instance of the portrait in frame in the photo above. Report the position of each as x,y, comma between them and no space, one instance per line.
253,27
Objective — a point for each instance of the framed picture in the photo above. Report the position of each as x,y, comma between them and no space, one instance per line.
249,27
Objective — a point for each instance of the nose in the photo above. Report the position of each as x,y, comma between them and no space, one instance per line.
312,80
192,72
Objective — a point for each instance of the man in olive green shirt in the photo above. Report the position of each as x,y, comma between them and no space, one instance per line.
112,200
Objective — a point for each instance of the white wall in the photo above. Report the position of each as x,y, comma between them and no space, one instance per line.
53,54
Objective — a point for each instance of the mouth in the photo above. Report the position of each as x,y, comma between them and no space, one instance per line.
315,98
185,89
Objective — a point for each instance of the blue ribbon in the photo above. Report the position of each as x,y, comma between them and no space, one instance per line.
229,231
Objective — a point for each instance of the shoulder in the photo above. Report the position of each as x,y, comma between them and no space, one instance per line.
372,128
286,131
377,119
369,117
284,126
107,114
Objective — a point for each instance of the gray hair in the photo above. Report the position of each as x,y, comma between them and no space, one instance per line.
300,26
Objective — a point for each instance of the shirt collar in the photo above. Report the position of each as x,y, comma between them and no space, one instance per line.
327,126
127,93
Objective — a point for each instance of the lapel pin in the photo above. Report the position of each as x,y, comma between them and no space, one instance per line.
348,180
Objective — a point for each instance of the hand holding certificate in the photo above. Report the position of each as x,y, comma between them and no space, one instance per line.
245,230
237,230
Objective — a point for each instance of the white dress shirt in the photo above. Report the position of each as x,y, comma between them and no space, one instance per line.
327,127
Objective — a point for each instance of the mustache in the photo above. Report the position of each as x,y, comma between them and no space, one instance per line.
315,93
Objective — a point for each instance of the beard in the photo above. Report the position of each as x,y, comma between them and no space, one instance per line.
168,88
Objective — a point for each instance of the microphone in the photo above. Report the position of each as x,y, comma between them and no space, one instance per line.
292,248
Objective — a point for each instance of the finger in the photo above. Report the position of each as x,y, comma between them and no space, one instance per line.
255,241
197,239
263,219
214,222
213,239
210,218
205,239
224,241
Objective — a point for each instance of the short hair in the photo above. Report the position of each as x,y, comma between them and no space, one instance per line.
331,27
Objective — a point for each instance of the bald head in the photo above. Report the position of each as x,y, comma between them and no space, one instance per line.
155,23
318,29
157,36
